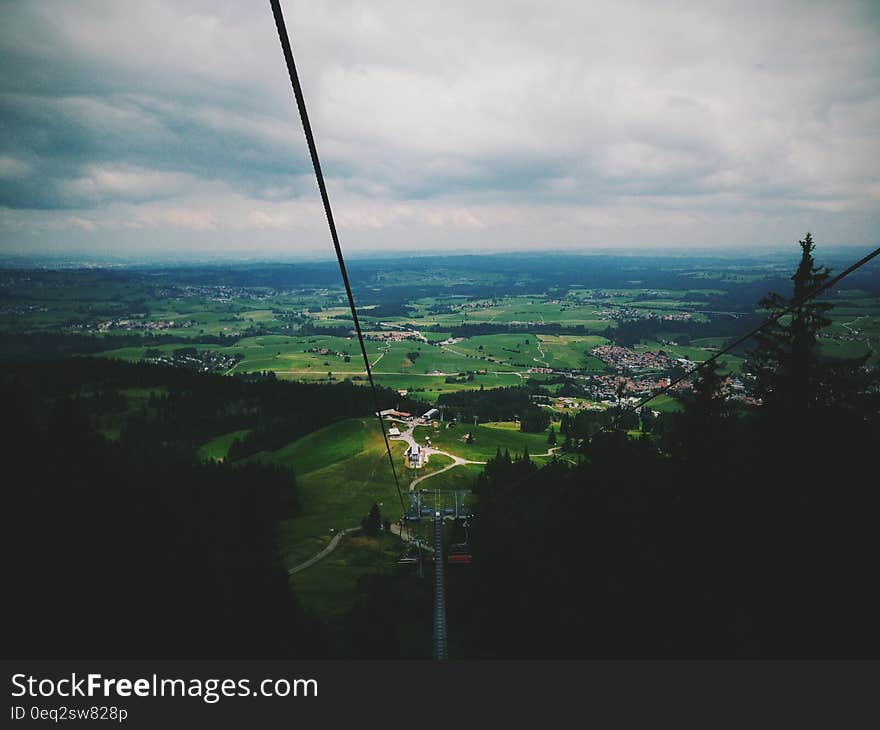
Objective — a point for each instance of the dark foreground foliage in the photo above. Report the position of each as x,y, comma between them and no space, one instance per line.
119,550
748,535
137,547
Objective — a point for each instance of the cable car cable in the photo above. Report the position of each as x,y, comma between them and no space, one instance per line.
319,175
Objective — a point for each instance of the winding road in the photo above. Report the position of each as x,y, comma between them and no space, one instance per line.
407,436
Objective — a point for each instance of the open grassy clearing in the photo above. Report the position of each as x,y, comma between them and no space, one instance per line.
429,387
487,440
461,477
523,351
218,448
341,470
569,351
665,404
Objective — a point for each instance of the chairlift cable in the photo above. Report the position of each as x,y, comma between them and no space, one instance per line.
319,175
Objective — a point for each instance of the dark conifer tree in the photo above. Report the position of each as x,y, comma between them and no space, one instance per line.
785,362
702,429
373,521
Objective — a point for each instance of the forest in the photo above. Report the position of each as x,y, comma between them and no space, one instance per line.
498,404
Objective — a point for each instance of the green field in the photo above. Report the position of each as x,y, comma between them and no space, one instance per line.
488,438
530,350
665,404
429,387
328,588
341,471
267,327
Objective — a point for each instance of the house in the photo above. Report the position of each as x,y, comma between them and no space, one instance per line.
393,431
416,456
433,413
393,413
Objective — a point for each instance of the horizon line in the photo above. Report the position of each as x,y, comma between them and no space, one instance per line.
103,258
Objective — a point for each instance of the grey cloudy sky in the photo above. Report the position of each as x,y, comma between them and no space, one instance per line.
170,126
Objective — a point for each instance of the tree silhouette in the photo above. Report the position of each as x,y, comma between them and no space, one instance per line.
701,430
372,522
785,362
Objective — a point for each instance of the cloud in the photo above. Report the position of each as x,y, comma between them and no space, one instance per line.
102,183
12,168
82,223
492,124
196,220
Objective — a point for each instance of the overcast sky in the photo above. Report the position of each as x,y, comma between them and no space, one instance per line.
157,127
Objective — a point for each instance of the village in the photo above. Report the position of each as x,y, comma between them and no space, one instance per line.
205,361
147,325
625,358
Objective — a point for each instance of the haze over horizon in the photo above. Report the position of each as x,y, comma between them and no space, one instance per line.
158,129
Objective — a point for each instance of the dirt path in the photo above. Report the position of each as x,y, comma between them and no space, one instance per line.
457,461
331,546
506,372
541,350
456,352
373,364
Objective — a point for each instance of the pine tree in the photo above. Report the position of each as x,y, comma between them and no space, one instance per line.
702,427
372,522
565,425
708,401
786,363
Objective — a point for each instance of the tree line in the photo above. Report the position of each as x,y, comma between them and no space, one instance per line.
498,404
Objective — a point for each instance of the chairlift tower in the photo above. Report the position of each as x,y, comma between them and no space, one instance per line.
441,652
448,504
